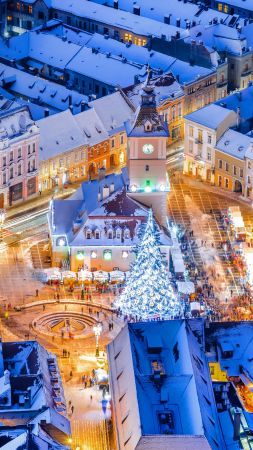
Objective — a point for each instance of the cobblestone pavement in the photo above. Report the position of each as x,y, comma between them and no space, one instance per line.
194,208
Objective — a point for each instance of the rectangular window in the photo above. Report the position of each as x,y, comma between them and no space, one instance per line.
209,139
113,143
30,9
121,139
11,156
248,179
220,181
191,131
226,183
209,156
225,9
200,136
147,168
226,166
29,149
219,6
190,147
241,173
19,152
220,164
4,161
34,147
11,172
234,170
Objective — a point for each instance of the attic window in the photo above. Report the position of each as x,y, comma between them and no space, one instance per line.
226,143
240,149
97,234
88,234
148,126
110,234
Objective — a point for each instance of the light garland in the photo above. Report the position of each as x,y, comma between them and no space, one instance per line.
148,292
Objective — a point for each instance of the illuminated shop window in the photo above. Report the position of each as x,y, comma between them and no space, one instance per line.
107,255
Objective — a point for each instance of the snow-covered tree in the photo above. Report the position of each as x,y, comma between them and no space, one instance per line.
148,292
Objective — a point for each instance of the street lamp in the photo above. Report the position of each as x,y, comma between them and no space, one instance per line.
97,331
2,219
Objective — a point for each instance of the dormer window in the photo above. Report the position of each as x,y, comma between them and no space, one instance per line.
126,234
118,233
88,234
97,234
148,126
110,234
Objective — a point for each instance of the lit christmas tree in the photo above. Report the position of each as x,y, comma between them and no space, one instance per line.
148,292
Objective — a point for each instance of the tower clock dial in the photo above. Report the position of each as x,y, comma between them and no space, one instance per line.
147,149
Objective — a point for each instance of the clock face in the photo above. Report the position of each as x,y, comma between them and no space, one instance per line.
148,148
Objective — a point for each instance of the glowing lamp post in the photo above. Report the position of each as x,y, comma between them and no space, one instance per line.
97,331
2,219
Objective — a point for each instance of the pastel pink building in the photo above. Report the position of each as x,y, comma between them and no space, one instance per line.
19,150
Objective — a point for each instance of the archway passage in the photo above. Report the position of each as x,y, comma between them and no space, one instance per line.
238,186
92,170
113,161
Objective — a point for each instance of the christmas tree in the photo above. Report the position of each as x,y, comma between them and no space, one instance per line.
148,292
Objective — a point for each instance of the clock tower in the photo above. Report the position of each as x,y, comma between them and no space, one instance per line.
147,137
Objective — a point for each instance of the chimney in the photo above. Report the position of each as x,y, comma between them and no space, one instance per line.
116,4
46,112
106,191
83,106
238,117
70,100
6,377
237,423
178,22
167,19
137,10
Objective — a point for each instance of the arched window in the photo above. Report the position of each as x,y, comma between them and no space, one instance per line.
88,234
126,233
118,233
148,126
97,234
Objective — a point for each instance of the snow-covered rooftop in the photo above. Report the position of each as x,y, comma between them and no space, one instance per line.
242,100
43,92
220,37
234,143
113,110
176,9
238,336
171,376
124,20
59,133
210,116
111,70
165,87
